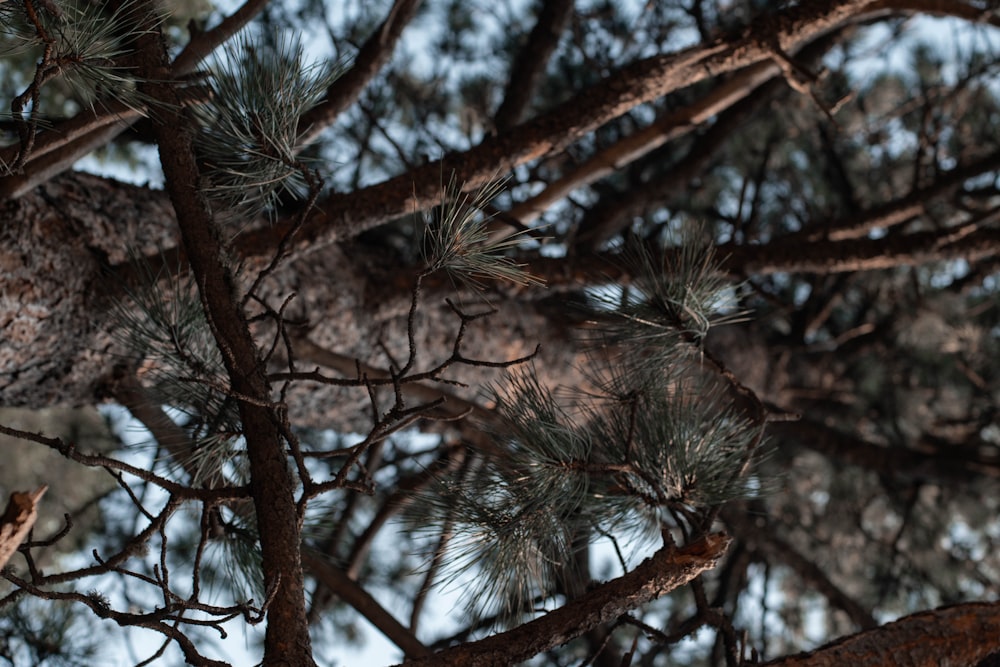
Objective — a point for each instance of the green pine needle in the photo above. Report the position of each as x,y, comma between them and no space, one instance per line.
459,240
90,39
250,127
654,435
676,293
161,321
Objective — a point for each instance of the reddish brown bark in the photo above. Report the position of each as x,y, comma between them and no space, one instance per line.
17,520
338,583
344,216
347,215
957,636
61,244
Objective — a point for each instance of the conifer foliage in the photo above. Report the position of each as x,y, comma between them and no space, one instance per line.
614,321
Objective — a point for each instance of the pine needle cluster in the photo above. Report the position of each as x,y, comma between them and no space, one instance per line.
250,134
85,44
652,445
457,239
163,324
676,292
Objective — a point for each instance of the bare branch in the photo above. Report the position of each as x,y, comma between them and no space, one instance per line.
531,62
203,43
374,54
353,594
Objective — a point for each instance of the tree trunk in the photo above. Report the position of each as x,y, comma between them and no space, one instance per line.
60,241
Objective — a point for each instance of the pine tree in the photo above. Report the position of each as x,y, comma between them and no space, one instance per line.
704,283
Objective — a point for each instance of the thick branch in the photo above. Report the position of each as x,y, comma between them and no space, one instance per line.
531,62
732,101
780,256
958,635
665,571
202,44
668,128
973,243
58,148
287,637
374,54
613,214
866,254
346,215
901,210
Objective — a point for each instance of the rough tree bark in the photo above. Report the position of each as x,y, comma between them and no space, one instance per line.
61,235
956,636
286,640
